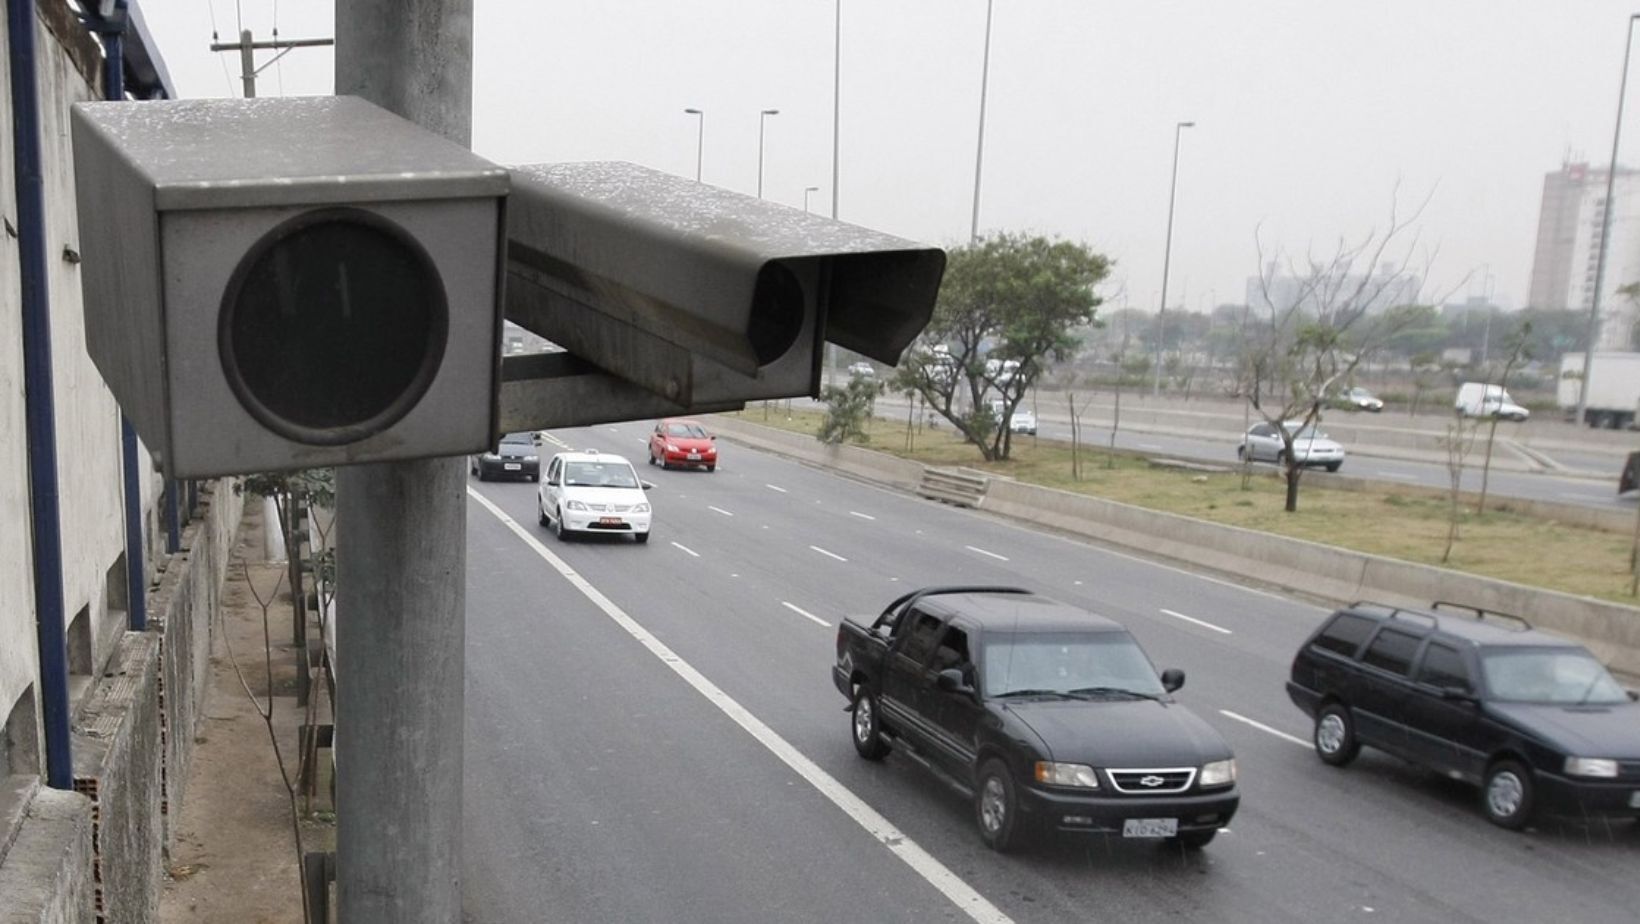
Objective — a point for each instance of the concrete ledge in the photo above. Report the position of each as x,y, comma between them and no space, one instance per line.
45,874
1610,630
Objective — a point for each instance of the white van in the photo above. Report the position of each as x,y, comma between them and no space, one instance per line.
1479,399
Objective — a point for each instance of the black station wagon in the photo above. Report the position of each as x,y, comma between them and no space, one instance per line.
1533,719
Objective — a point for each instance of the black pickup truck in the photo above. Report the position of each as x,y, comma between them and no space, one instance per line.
1049,716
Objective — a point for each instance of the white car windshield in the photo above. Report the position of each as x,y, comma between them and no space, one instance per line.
1565,676
1308,433
1054,662
600,475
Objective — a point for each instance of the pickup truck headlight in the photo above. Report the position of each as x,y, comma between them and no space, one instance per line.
1219,773
1602,767
575,505
1056,774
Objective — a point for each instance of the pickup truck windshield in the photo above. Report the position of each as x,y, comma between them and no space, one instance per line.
1054,662
1563,676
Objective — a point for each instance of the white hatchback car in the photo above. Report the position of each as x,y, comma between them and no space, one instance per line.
593,492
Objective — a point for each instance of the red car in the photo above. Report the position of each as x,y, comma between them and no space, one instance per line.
679,441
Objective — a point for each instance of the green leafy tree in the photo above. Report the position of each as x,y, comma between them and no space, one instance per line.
848,410
1008,298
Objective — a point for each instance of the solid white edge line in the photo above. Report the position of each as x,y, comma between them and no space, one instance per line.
1267,729
828,554
983,552
960,893
1205,625
805,613
863,516
687,549
719,510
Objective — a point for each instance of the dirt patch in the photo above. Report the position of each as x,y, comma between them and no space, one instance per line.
234,857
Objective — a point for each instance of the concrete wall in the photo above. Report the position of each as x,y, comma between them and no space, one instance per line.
1610,630
95,854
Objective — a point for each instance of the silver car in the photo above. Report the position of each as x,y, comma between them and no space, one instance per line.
1310,445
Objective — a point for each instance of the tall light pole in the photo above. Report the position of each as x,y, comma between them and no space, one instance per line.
806,191
761,117
700,139
979,154
1167,257
836,103
1605,229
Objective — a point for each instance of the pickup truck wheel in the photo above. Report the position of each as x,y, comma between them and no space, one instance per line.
1507,795
996,807
1335,740
868,732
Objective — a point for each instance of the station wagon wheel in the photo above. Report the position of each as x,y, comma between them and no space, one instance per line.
1507,795
868,731
996,807
541,511
1335,740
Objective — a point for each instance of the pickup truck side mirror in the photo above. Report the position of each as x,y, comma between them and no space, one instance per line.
952,681
1172,679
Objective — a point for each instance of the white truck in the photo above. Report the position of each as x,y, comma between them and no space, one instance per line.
1614,388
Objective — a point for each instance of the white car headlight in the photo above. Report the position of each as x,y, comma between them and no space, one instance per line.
575,505
671,448
1056,774
1602,767
532,458
1219,773
640,508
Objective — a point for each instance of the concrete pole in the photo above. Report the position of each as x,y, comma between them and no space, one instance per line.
402,554
247,64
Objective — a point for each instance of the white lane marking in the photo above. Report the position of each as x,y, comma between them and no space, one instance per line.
960,893
719,510
775,487
684,548
1198,622
805,613
983,552
863,516
1150,446
614,430
1265,728
828,554
1398,476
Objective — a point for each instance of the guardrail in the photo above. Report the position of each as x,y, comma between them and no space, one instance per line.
959,486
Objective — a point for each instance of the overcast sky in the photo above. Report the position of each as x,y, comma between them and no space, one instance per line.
1309,114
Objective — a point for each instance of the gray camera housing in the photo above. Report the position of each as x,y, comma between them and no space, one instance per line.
275,284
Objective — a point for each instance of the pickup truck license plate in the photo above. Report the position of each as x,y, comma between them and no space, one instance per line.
512,466
609,521
1634,799
1150,827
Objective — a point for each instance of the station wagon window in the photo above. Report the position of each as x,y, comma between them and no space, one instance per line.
921,635
1345,634
1443,667
1392,651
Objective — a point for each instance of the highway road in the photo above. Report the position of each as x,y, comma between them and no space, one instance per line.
1590,478
652,734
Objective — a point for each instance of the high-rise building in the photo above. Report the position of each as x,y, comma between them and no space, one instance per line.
1568,247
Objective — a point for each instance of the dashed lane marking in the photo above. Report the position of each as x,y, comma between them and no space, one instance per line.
828,554
805,613
981,551
719,510
863,516
1202,623
1267,729
685,549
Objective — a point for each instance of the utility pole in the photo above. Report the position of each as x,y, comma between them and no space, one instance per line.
247,57
402,554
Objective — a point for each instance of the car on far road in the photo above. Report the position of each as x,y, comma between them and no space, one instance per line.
861,371
1359,399
1311,446
679,441
516,456
1534,720
1048,716
593,492
1022,420
1481,399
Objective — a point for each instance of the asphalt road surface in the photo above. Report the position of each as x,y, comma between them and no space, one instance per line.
652,734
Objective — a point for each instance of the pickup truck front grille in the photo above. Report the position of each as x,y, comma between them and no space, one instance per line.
1154,781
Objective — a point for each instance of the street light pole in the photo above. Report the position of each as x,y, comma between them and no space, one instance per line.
1605,230
979,154
806,191
836,105
700,139
761,118
1167,257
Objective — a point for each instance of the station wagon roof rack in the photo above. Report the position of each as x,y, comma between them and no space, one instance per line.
1483,614
1396,612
